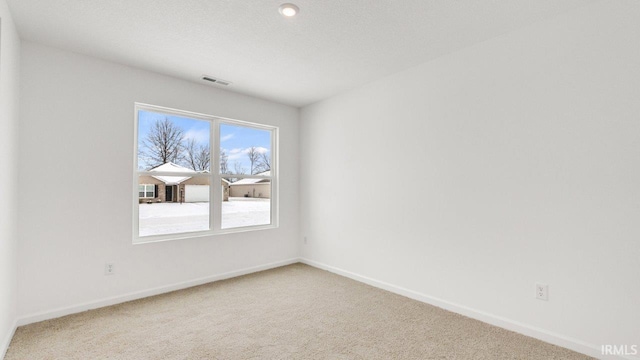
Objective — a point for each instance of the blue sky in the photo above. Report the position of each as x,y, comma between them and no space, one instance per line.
234,140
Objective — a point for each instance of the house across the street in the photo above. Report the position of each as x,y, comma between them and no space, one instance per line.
254,188
187,188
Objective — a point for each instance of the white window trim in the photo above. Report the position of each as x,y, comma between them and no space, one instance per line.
215,205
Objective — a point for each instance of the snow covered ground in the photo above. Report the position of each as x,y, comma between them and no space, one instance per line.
170,218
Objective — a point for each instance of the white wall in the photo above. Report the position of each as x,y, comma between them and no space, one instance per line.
522,155
76,155
9,91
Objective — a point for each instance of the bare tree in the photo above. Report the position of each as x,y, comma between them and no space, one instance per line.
197,157
264,163
190,153
203,157
163,143
224,162
254,156
238,168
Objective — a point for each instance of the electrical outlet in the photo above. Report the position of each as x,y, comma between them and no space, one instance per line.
109,269
542,292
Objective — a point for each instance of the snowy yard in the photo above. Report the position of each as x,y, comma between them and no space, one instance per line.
170,218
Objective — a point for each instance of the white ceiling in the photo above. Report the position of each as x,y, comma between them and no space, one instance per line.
331,46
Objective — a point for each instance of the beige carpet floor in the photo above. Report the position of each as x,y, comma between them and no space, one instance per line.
293,312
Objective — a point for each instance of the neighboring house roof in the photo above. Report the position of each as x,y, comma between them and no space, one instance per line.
169,166
173,180
253,181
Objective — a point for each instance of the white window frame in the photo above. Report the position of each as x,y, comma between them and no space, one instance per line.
145,191
215,192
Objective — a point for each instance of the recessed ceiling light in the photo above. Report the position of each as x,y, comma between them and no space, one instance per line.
288,10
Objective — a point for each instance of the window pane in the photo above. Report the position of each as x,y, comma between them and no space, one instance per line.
168,139
247,202
141,194
180,205
244,150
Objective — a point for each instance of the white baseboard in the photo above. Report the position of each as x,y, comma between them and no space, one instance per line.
52,314
528,330
537,333
4,345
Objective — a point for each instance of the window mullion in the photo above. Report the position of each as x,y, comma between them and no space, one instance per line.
274,177
215,210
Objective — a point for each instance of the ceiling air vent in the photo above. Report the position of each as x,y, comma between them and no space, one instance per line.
216,81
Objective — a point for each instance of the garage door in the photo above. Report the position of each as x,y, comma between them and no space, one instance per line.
196,193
